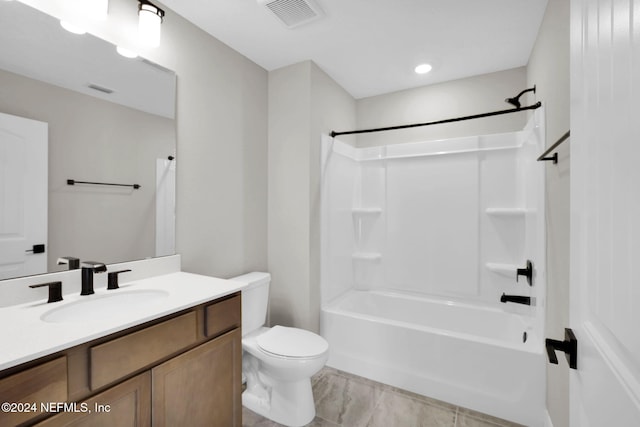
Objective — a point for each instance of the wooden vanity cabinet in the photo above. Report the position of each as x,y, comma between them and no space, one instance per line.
184,369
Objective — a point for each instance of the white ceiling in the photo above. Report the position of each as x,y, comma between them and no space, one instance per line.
370,47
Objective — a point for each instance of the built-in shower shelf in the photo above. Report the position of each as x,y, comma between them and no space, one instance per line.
506,212
367,211
366,256
508,270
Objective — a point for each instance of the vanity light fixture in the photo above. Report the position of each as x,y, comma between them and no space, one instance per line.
149,20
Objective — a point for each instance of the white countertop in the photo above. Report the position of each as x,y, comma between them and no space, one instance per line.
26,337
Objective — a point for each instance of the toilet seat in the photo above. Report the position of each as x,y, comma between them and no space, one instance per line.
292,342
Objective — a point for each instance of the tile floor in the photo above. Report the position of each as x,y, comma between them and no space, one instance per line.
346,400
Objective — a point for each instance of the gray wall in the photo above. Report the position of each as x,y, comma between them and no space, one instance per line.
549,69
455,98
221,157
303,103
289,172
94,140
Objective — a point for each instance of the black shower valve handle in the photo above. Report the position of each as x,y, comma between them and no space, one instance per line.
526,272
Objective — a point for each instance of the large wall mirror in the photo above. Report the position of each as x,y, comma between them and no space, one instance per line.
110,120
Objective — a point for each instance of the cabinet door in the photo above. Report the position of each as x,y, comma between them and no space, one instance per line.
46,382
124,405
201,387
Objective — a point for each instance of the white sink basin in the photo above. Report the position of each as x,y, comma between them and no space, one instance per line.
95,308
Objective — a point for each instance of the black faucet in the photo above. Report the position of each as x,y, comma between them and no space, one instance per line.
516,298
88,268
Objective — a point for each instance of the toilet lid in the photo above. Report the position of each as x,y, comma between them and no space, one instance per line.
292,342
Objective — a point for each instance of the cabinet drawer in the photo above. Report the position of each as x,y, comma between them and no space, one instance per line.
43,383
122,356
223,316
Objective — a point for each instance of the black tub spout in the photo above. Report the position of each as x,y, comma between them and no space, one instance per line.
519,299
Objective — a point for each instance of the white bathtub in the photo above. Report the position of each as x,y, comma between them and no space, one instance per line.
466,355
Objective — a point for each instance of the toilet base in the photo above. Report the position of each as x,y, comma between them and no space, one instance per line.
287,403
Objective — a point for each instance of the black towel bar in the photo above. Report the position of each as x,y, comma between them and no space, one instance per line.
74,182
543,157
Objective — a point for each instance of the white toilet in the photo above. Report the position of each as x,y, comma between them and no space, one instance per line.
277,362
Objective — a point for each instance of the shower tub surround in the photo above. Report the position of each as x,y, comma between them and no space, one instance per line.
419,242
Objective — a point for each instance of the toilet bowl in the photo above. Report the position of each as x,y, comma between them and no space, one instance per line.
277,362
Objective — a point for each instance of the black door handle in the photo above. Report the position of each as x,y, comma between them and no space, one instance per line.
569,346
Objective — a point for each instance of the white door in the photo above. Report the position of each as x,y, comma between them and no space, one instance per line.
23,196
605,212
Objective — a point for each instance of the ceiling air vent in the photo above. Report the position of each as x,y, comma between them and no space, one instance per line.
293,13
100,88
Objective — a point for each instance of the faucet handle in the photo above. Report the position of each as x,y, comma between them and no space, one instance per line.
112,279
55,290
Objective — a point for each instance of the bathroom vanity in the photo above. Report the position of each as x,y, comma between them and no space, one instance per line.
174,360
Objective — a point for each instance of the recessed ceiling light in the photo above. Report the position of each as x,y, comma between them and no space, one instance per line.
423,68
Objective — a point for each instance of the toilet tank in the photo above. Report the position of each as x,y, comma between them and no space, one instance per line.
255,299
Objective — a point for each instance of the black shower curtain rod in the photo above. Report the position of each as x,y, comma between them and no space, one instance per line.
439,122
